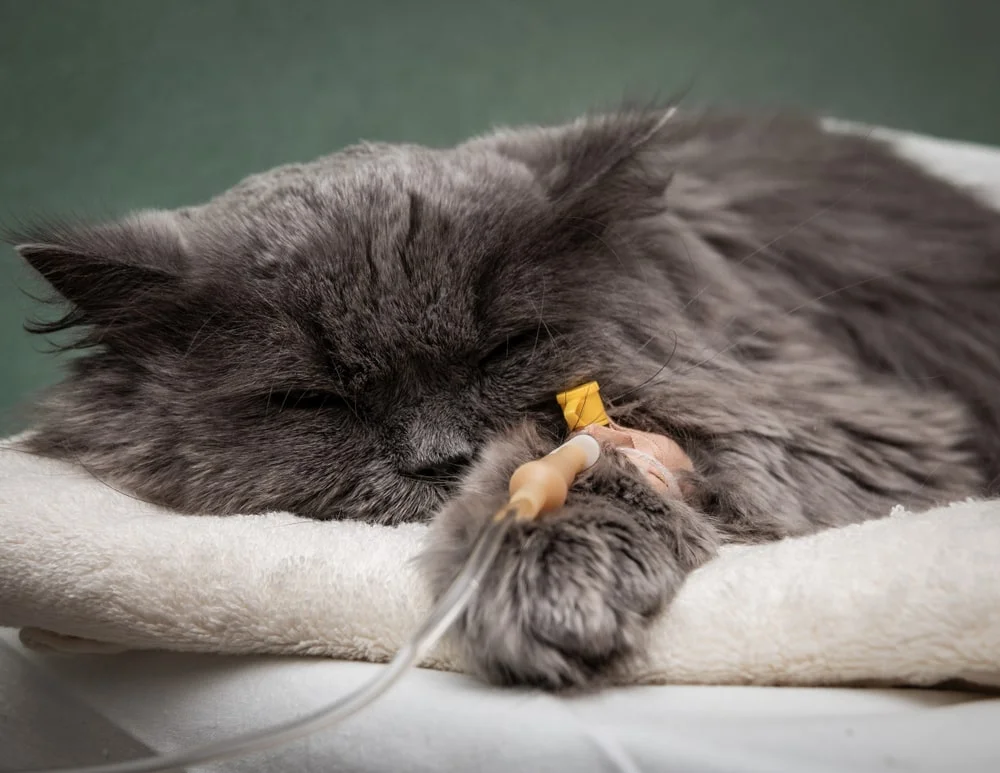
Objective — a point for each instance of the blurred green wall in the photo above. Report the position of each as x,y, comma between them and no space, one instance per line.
108,105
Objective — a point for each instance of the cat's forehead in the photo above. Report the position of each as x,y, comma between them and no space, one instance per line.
361,207
362,189
378,249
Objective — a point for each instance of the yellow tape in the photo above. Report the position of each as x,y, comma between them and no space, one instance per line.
582,406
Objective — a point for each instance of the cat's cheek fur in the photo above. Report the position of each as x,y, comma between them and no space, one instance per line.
574,591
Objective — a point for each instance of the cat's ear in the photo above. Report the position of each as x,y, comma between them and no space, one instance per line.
599,167
604,161
111,275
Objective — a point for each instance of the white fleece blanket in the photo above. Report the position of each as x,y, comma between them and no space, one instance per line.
909,599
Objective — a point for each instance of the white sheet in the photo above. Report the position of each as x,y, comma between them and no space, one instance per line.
436,721
439,721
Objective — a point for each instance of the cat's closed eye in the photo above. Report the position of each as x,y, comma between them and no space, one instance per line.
301,400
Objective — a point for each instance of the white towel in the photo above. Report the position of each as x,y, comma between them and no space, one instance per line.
909,599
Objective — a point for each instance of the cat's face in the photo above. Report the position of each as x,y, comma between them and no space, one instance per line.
339,339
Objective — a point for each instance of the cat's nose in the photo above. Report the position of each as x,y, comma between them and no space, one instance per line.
444,468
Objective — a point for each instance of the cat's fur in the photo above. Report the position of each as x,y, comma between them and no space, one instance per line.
814,320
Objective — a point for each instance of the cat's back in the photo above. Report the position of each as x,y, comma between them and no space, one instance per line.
897,267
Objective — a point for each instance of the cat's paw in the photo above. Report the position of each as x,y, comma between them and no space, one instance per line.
573,592
567,597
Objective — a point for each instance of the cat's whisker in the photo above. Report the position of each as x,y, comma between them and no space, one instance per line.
805,304
786,313
353,404
76,458
866,180
198,332
652,378
615,253
647,342
541,320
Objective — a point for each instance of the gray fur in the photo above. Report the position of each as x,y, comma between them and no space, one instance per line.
816,321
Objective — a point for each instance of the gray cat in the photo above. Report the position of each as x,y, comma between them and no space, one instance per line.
379,335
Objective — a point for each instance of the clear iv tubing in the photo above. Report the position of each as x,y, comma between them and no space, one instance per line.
448,608
535,487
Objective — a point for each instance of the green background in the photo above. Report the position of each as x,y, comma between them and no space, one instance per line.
109,105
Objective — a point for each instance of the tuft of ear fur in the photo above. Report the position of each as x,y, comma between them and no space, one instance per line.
604,155
597,168
112,276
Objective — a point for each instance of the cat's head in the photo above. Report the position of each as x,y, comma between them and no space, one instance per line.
340,338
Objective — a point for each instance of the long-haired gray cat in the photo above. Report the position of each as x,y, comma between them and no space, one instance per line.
379,335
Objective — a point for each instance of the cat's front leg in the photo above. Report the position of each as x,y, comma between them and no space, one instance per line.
574,591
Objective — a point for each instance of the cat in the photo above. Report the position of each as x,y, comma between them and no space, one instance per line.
380,334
